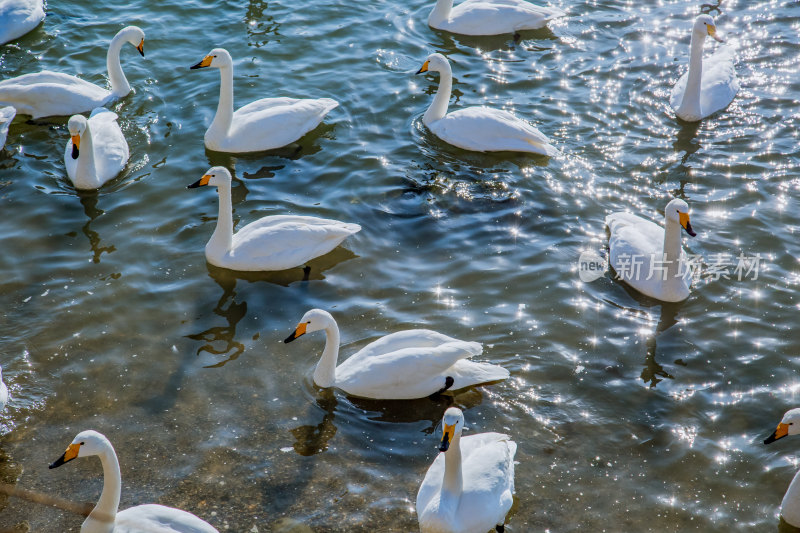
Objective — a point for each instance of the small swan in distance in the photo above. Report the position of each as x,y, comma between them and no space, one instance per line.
48,93
708,86
261,125
650,258
481,129
790,506
97,150
469,488
273,242
104,518
3,392
409,364
490,17
18,17
6,116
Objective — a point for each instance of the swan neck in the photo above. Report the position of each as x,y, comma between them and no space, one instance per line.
438,108
672,249
119,83
691,95
453,482
86,169
101,519
790,506
325,373
441,12
224,117
222,238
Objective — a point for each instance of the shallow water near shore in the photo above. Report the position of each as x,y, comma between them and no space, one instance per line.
629,414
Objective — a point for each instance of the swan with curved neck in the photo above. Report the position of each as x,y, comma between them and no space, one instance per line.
97,150
708,86
650,258
790,505
481,129
7,114
404,365
490,17
18,17
275,242
469,488
260,125
50,93
105,517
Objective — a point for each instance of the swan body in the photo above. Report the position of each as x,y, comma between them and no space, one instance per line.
97,150
490,17
105,518
404,365
709,85
637,246
3,392
469,488
47,93
480,129
261,125
18,17
270,243
6,116
790,506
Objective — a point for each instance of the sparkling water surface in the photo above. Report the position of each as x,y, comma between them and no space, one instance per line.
630,415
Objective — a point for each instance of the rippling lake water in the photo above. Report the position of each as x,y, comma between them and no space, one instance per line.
630,415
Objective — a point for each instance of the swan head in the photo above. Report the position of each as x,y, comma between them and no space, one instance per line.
435,63
214,176
85,444
313,320
790,425
678,211
133,35
77,126
217,58
452,424
704,25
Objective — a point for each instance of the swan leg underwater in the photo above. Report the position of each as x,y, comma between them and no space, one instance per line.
406,365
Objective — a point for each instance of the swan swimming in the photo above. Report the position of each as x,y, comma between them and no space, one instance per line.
48,93
790,506
409,364
3,392
490,17
469,488
7,114
273,242
650,258
18,17
97,150
708,86
261,125
105,517
481,129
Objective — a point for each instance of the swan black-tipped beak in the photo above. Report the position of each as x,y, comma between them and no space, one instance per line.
299,331
684,221
206,62
70,454
689,230
58,462
447,437
782,431
423,68
445,444
141,47
76,144
202,182
75,151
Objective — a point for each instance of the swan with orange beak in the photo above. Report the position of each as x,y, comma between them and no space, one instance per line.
790,506
97,150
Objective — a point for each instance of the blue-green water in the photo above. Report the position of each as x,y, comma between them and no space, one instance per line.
629,415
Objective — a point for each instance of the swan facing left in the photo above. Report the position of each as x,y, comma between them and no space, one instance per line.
790,506
48,93
105,517
469,488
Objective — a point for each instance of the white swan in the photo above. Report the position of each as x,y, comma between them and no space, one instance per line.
469,488
3,392
481,129
261,125
18,17
274,242
490,17
709,85
650,258
104,518
6,116
408,364
48,93
97,150
790,506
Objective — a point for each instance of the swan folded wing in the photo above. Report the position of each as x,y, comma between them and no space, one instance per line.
677,91
110,147
49,93
484,129
633,241
719,83
492,18
6,116
488,464
154,518
410,338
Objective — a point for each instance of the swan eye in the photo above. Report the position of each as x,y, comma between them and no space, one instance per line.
82,443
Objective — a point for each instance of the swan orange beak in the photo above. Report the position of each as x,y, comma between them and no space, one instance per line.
299,331
684,219
141,47
712,31
447,437
67,456
423,68
206,62
202,182
782,431
76,145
